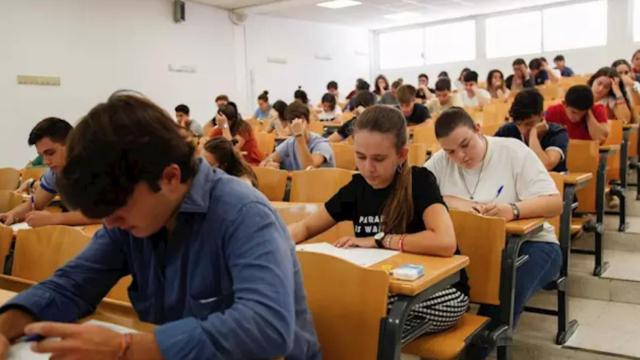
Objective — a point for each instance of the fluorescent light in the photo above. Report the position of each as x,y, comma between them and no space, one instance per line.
339,4
405,15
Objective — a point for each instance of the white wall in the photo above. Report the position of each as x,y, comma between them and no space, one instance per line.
298,42
619,45
97,47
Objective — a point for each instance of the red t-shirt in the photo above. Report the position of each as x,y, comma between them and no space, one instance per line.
250,148
578,131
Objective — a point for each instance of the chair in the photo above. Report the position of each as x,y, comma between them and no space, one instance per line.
344,155
614,138
426,134
550,91
9,200
6,238
316,127
495,113
490,129
417,154
34,172
271,182
347,302
39,252
317,185
9,178
266,142
490,279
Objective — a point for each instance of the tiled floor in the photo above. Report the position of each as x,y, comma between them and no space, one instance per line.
623,265
633,223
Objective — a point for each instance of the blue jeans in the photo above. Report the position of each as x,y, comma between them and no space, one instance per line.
542,268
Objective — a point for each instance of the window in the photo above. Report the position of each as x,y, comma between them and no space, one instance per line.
450,42
575,26
514,34
400,49
636,20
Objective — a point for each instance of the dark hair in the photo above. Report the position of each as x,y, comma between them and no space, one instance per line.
362,85
397,211
296,110
471,76
53,128
535,64
264,96
519,61
619,62
364,99
222,98
527,103
635,53
229,159
396,84
607,72
543,59
443,74
118,144
182,108
558,58
329,99
280,106
463,72
451,119
236,124
406,94
301,95
377,90
579,97
443,84
490,76
423,75
332,85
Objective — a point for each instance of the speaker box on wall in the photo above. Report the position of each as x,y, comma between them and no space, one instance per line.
179,11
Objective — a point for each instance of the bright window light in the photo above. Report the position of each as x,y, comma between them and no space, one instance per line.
575,26
398,49
339,4
514,34
450,42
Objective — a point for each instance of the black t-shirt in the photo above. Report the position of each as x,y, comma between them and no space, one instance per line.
362,204
527,83
419,115
541,77
555,138
346,129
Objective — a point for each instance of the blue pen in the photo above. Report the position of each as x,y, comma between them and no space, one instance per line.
499,192
31,338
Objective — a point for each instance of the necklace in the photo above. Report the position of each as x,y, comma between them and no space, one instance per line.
464,180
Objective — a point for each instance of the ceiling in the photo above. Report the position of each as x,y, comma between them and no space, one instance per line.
371,13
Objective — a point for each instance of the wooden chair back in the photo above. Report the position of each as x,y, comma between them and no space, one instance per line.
345,156
34,172
347,303
417,154
614,138
266,142
317,185
6,237
9,178
271,182
9,200
583,156
558,179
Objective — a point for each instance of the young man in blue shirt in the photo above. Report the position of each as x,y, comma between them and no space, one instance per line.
212,263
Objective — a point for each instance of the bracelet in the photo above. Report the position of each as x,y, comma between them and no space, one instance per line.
387,241
125,343
401,242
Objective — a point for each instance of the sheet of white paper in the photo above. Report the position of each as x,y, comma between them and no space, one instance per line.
358,256
22,351
20,226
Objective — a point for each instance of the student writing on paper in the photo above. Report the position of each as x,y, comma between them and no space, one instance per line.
499,177
393,206
212,264
49,137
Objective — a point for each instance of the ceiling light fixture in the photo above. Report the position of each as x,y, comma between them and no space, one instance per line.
339,4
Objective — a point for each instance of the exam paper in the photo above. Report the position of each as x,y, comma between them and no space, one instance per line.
358,256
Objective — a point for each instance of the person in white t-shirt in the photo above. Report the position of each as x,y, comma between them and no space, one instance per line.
472,95
499,177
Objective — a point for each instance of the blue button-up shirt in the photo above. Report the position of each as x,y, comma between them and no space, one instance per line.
226,285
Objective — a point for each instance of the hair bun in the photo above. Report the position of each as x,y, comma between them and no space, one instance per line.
265,92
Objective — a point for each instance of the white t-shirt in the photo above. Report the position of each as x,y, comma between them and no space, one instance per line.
509,163
481,97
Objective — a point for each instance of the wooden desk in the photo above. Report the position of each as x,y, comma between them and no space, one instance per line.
578,179
609,149
524,226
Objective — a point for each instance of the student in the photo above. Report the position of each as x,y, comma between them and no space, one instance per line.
264,108
332,88
541,72
443,74
182,116
496,85
423,92
212,266
330,110
279,123
304,149
444,98
549,141
608,90
362,101
486,175
635,61
301,96
219,153
473,96
381,86
583,119
391,96
520,78
565,71
393,206
233,128
415,114
460,81
361,85
221,100
631,87
49,137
